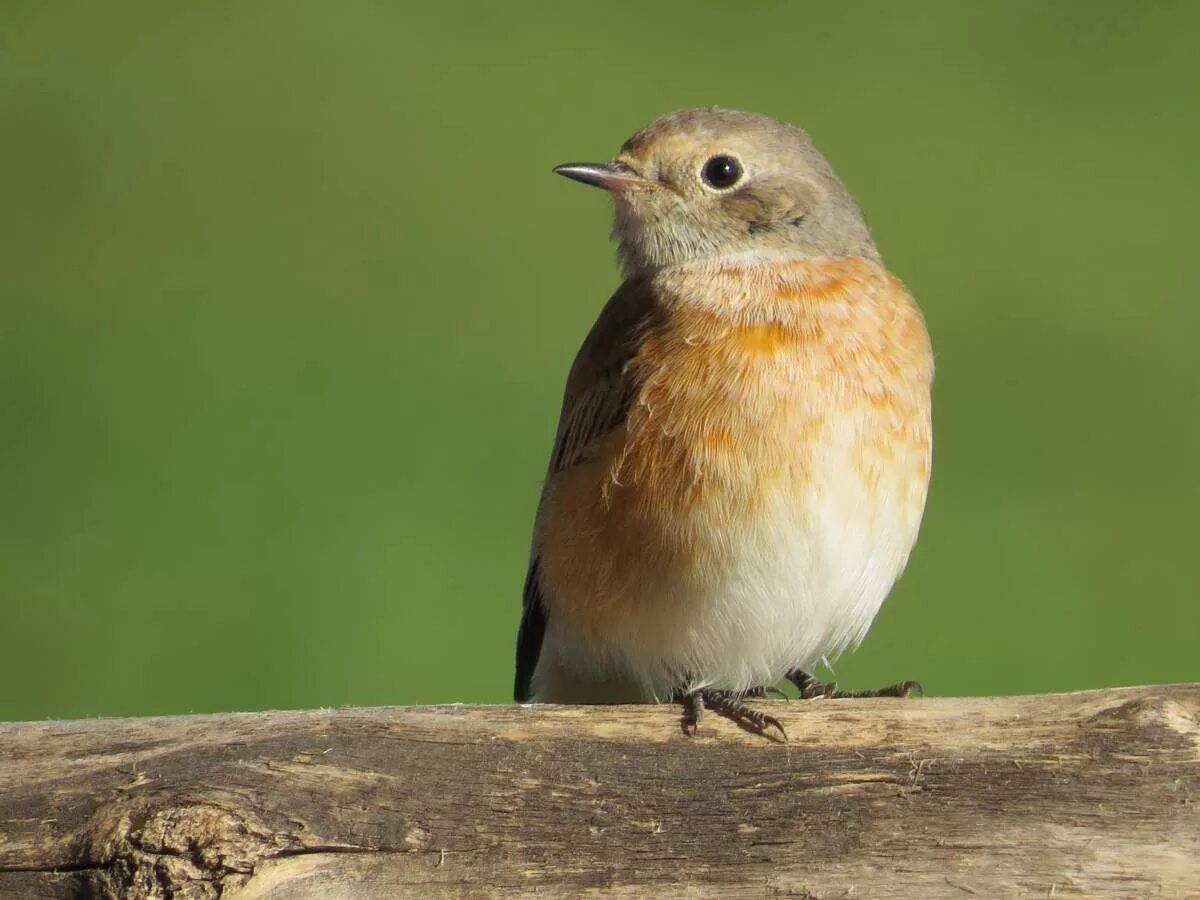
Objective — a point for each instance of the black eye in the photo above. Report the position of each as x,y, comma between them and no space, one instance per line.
721,172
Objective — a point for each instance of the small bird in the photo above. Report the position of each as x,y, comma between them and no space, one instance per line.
744,448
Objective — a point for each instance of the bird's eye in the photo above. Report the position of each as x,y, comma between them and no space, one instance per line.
721,172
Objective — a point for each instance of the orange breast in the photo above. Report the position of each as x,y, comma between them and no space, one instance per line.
744,389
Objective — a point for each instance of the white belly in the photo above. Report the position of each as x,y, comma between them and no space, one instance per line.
799,580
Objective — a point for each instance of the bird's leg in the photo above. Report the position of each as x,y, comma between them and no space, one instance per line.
809,688
729,705
693,711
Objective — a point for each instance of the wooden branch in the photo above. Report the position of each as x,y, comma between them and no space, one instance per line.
1095,793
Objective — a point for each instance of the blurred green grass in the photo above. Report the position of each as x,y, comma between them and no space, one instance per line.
288,295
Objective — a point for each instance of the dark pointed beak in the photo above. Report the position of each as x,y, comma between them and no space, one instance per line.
610,176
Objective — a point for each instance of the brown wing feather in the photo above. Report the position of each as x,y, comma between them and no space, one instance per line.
597,396
596,401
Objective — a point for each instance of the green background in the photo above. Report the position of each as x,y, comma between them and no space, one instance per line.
289,293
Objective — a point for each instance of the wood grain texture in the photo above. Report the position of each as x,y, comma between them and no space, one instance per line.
1088,794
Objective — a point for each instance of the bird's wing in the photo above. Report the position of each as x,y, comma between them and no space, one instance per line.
599,391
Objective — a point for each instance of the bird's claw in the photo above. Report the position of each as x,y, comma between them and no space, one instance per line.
729,705
810,688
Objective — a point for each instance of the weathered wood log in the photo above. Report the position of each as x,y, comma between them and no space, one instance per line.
1095,793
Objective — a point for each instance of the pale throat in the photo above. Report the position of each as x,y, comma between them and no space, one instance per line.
759,286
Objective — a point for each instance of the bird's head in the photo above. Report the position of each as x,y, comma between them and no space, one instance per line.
709,183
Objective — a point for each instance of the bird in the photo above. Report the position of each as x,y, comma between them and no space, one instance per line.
744,448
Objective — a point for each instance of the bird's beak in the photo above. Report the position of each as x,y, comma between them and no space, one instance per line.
610,176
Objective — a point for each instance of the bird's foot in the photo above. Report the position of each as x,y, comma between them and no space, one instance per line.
729,705
759,693
810,688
